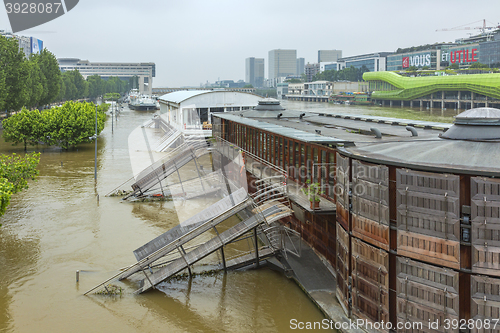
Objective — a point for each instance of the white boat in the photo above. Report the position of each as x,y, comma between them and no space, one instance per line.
142,103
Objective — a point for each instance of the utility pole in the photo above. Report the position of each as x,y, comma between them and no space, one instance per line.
95,138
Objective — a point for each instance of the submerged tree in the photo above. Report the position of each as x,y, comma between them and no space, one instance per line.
72,124
15,171
23,127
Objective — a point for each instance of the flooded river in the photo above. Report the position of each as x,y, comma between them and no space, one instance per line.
58,226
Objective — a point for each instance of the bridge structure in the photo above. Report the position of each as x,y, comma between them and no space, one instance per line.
163,91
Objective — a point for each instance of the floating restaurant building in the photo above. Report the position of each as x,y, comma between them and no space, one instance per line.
190,111
410,210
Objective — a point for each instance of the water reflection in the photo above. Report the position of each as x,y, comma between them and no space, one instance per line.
18,257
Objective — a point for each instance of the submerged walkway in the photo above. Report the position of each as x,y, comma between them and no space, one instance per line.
318,281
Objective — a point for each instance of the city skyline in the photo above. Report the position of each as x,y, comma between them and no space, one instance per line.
208,49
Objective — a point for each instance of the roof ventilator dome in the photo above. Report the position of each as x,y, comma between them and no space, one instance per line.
480,124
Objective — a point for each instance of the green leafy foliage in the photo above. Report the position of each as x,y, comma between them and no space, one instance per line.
104,107
71,124
15,171
312,191
112,96
23,127
26,82
50,69
347,74
15,74
65,126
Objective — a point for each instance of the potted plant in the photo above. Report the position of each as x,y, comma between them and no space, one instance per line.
312,191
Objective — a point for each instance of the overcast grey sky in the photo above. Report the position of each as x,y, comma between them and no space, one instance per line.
194,41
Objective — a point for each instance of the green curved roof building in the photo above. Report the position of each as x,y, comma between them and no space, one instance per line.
392,86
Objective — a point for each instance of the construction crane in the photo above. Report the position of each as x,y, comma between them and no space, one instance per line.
467,26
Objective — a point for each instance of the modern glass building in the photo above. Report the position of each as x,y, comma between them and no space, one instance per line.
282,63
373,61
254,71
329,55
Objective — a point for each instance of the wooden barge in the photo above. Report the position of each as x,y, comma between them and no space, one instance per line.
415,233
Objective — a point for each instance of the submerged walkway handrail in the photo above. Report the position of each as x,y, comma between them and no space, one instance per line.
255,157
145,260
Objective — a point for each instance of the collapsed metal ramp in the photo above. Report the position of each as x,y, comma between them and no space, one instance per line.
254,212
153,175
176,237
214,244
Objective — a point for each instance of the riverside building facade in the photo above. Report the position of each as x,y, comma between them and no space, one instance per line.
449,91
145,71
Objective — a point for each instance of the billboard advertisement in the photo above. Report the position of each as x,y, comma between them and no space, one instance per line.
420,60
36,45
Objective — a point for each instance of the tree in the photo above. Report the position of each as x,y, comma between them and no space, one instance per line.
50,68
361,71
478,65
248,86
35,83
3,89
453,66
96,86
70,91
15,171
133,82
23,127
112,96
15,72
72,124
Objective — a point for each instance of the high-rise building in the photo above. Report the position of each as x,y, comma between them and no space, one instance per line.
282,63
254,71
310,71
301,62
329,55
29,45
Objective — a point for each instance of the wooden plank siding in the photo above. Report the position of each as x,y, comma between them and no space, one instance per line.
428,216
426,292
370,281
342,178
342,267
485,301
485,231
370,203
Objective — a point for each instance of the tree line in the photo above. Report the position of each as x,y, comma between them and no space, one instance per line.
352,74
66,126
37,81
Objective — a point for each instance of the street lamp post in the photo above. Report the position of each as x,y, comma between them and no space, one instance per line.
95,157
94,137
